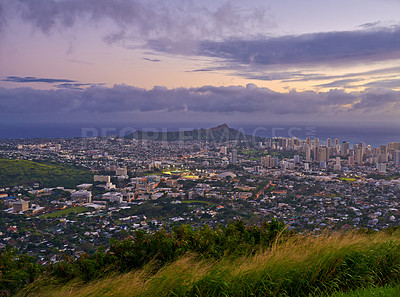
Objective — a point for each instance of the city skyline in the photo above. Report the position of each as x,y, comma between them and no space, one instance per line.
80,62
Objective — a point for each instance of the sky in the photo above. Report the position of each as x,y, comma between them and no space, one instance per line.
187,62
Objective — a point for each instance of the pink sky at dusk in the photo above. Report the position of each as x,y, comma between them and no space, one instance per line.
336,58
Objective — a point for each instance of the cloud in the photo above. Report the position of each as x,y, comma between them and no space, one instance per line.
370,25
31,79
316,48
381,71
77,86
58,83
79,62
340,83
385,83
379,98
176,20
247,101
152,60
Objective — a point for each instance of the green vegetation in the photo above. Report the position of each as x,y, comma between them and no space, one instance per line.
16,271
65,212
231,261
197,202
18,172
383,176
386,291
254,154
349,179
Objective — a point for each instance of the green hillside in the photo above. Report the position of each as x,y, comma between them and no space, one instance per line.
227,261
18,172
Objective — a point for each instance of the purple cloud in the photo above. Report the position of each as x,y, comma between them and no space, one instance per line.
207,99
176,20
31,79
326,48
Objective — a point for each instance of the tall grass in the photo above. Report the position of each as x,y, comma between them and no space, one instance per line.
299,266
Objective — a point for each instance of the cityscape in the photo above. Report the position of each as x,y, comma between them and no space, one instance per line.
146,184
199,148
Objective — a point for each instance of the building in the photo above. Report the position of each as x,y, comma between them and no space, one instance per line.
328,142
381,167
102,178
383,156
234,157
351,160
20,205
223,150
396,157
172,183
121,171
84,186
359,156
82,196
266,161
113,197
345,148
308,153
323,155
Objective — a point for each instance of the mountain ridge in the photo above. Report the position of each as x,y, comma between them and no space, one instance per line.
220,133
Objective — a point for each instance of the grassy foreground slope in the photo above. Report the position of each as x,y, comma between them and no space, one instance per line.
340,264
386,291
17,172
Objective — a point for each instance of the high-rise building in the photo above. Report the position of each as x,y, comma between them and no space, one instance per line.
266,161
234,157
337,165
345,148
274,161
336,141
383,156
359,156
308,153
328,142
393,146
323,154
396,157
315,153
351,160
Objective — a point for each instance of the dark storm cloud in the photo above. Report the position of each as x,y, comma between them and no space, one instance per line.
31,79
247,100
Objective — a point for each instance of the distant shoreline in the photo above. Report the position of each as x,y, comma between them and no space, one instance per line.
373,136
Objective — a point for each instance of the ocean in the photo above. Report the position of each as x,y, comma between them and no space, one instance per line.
371,135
